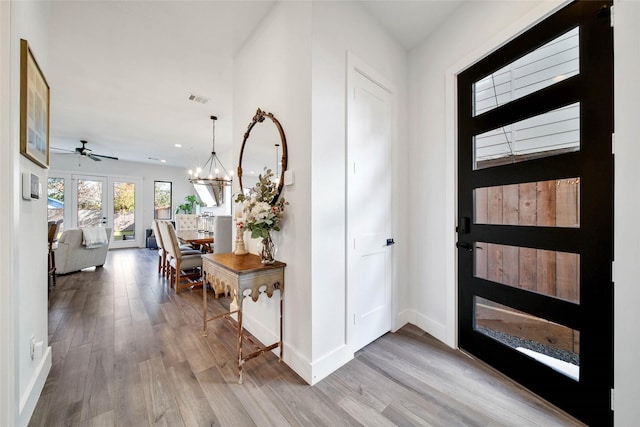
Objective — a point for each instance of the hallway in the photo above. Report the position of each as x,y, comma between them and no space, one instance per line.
128,352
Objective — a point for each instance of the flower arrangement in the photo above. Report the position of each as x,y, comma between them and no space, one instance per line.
260,217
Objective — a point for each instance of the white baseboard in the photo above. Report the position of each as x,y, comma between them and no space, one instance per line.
430,326
402,318
298,363
310,372
314,372
329,363
290,355
257,329
31,395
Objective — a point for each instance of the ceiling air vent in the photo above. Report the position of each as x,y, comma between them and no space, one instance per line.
197,98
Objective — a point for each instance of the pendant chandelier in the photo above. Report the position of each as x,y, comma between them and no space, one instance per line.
210,180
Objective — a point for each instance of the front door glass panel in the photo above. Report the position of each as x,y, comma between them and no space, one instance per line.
550,343
549,134
553,203
549,64
552,273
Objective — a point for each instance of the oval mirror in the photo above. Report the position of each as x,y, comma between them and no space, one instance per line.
264,146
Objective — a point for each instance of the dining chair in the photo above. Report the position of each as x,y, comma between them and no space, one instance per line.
163,255
186,222
183,267
53,230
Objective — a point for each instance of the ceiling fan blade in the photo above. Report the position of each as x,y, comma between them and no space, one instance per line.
105,157
93,157
63,149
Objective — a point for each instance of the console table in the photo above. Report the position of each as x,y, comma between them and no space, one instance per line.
242,276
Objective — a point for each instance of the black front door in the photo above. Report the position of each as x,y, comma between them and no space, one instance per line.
535,200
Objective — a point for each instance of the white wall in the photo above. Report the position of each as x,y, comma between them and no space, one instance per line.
338,28
473,31
8,292
148,173
301,77
273,72
627,205
472,28
29,21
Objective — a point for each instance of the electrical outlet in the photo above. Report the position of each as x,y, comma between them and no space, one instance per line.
32,348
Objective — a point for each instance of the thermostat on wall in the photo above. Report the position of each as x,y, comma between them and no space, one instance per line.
31,188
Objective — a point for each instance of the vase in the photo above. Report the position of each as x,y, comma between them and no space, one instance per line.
267,250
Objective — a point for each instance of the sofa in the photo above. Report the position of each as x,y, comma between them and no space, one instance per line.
72,254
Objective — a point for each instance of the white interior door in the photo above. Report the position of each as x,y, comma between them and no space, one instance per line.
370,115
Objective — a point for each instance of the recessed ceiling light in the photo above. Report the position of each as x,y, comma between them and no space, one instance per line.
157,159
177,145
198,98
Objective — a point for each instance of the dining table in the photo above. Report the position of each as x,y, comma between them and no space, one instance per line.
202,239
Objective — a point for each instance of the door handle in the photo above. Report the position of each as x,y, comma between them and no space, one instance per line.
390,242
464,245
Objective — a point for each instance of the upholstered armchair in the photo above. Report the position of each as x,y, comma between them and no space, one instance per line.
72,254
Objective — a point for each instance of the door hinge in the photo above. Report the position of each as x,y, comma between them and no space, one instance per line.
611,9
613,143
613,272
613,408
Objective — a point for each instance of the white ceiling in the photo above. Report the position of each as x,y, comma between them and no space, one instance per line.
410,21
121,72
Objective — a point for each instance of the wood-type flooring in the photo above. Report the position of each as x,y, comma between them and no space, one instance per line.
128,351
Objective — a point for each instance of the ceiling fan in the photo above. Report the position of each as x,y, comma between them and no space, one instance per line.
87,152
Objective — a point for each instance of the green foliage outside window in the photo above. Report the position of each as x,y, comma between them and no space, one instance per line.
162,200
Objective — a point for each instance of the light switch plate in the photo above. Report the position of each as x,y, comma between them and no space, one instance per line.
288,177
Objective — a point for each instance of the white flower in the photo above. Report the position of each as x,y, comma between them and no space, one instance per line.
260,216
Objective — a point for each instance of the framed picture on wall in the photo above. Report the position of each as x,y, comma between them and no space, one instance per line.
34,109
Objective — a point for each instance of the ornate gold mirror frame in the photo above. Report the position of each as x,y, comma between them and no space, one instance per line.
259,118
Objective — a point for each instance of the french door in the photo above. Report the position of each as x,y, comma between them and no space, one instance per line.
109,202
535,200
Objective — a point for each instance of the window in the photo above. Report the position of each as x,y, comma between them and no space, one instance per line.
55,200
162,200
